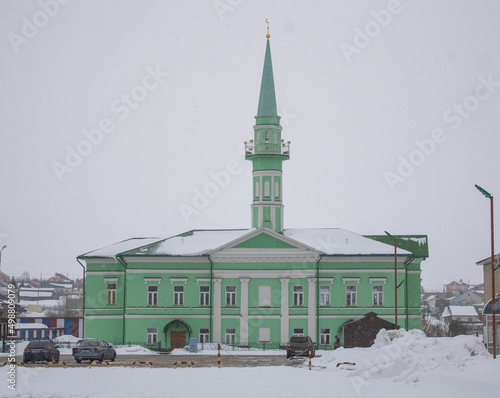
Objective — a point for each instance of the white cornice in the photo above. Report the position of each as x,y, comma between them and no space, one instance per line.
299,273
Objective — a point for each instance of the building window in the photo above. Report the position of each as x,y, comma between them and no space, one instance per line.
178,295
257,189
204,335
152,336
350,291
230,295
378,295
204,295
111,294
266,136
298,332
276,190
325,336
264,335
152,295
264,296
324,295
231,336
298,296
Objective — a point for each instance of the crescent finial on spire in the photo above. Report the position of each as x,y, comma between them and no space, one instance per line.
268,35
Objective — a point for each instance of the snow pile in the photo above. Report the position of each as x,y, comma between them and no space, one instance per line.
67,338
401,355
133,350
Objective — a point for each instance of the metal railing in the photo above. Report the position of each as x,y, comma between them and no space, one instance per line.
281,148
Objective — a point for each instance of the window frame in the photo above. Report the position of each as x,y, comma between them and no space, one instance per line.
204,335
205,296
378,296
178,295
231,336
231,296
326,288
150,333
322,334
351,295
152,296
298,296
111,294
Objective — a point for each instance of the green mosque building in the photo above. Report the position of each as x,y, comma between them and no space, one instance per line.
256,286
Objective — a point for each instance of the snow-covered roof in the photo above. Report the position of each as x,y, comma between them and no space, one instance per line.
459,310
196,243
112,250
24,326
331,241
34,293
338,241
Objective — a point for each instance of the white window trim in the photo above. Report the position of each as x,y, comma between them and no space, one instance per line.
110,280
327,280
152,280
351,280
178,280
202,280
378,281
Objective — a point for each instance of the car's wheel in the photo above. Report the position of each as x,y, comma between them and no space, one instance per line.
101,358
114,357
288,355
78,360
58,357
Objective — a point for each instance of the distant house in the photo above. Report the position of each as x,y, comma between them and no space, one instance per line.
456,287
35,294
469,298
37,328
59,278
4,277
462,319
362,332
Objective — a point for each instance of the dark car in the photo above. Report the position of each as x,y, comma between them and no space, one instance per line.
93,350
300,346
41,350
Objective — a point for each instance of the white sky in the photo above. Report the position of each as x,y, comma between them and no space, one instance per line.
349,122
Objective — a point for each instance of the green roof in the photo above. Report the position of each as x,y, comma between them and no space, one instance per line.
416,244
267,99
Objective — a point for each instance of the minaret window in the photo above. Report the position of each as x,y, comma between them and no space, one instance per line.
266,136
276,190
257,189
267,188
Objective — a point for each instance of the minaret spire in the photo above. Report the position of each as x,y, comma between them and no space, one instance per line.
267,151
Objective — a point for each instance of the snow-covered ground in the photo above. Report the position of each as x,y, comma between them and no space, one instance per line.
399,364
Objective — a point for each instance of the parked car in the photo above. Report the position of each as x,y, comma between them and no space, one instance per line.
41,350
300,346
93,350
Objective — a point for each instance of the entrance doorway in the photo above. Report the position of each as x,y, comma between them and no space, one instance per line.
177,339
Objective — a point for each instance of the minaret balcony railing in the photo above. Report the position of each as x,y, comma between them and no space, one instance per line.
282,148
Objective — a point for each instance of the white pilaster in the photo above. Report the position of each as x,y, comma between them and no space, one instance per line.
284,310
216,333
311,308
244,311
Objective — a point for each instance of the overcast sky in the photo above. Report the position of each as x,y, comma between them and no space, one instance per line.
115,113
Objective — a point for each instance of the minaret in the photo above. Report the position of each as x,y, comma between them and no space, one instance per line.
267,151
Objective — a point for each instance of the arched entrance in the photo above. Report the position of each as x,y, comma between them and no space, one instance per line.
177,333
